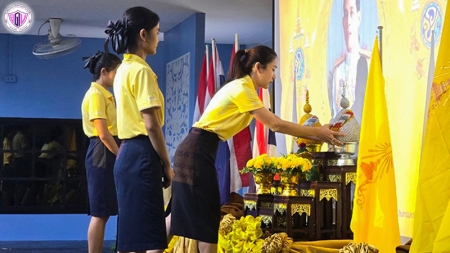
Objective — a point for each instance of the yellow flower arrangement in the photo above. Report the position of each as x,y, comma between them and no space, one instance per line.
293,163
262,163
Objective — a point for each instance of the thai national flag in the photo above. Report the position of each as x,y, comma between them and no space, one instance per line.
232,155
204,92
264,141
217,78
240,147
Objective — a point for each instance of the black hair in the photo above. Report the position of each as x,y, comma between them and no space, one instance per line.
244,60
123,33
101,60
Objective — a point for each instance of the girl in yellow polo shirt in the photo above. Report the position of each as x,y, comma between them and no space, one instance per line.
195,192
143,159
99,124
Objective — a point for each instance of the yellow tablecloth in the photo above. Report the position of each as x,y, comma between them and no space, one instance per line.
185,245
324,246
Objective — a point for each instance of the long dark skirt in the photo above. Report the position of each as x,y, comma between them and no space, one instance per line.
100,179
195,191
138,174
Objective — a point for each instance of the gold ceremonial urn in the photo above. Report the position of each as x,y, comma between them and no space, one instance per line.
315,147
290,182
264,181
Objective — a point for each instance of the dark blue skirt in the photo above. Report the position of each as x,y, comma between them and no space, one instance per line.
138,174
100,179
195,190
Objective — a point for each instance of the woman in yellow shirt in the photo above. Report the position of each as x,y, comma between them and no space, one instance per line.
99,124
143,159
195,192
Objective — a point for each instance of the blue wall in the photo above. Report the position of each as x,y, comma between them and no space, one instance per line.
189,36
54,88
50,88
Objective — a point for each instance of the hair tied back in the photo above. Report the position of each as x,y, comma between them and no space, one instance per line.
116,32
244,55
91,62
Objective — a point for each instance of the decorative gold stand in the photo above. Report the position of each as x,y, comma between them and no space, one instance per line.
294,215
264,181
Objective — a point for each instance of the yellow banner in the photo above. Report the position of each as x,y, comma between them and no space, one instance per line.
374,219
432,220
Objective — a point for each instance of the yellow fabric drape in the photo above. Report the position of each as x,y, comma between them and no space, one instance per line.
431,231
180,244
171,244
375,219
322,246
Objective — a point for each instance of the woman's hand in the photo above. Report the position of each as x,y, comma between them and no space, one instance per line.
167,176
324,133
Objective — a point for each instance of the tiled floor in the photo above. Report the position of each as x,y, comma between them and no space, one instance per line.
51,247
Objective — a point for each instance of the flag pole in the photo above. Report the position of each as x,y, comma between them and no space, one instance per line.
207,61
215,59
236,42
380,33
431,68
213,52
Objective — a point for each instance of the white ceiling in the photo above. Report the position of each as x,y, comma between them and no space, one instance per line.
251,19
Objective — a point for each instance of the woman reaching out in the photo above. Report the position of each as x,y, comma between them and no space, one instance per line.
195,192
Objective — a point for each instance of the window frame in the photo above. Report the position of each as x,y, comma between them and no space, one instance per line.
36,128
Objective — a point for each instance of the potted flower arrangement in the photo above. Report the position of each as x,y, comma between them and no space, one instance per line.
263,168
292,169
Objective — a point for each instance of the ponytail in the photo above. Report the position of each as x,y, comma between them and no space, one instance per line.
238,66
117,35
244,60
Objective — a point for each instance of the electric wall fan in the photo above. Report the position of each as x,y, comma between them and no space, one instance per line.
56,45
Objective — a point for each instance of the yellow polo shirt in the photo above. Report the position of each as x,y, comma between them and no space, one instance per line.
98,103
136,88
228,112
